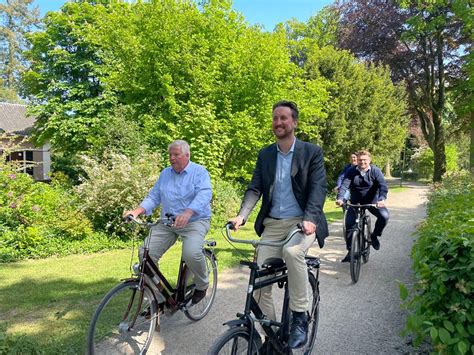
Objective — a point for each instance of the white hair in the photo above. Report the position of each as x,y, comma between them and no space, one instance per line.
182,144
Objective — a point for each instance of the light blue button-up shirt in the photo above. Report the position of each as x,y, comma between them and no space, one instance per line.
284,204
175,192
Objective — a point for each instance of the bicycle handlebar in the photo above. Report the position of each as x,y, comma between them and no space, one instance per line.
255,242
169,221
359,205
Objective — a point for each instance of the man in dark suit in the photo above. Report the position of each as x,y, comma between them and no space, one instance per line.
367,185
290,176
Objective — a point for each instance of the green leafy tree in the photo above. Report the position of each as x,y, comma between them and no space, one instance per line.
423,43
363,109
17,18
63,83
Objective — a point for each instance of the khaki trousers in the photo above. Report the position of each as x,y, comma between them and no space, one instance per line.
192,235
293,253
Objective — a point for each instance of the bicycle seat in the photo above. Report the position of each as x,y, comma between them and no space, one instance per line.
273,263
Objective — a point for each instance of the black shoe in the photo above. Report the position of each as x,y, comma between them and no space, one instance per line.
198,295
347,258
375,242
298,330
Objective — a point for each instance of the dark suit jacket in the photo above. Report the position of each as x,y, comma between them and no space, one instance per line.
308,179
370,188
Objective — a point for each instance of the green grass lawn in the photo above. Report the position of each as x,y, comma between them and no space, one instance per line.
46,305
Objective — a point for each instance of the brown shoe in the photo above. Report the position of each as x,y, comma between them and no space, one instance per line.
198,295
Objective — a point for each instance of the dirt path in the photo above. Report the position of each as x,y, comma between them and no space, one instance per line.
355,319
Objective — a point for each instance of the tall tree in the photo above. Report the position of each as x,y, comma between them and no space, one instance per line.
422,42
17,18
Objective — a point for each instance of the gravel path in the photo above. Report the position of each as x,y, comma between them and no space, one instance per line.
355,319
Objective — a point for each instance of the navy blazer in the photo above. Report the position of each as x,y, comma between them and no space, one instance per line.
308,179
367,189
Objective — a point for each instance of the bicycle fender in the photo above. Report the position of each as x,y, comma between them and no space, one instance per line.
236,323
129,279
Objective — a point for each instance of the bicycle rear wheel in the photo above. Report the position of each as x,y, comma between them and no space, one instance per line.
110,332
366,243
198,311
355,256
235,340
313,316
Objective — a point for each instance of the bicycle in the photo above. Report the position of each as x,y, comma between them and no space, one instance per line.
128,315
360,246
242,335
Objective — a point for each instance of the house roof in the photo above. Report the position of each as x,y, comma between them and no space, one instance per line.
13,119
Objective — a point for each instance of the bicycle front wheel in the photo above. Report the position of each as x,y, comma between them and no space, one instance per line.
344,226
236,341
313,316
111,330
198,311
355,256
366,243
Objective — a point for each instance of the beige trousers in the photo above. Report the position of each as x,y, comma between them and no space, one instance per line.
293,253
192,235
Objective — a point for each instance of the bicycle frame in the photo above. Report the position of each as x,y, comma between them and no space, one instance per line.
175,297
361,215
279,276
251,305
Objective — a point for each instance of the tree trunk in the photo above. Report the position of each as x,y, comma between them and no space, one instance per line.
439,152
387,170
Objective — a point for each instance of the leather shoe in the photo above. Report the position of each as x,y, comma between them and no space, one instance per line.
375,242
298,330
347,258
198,295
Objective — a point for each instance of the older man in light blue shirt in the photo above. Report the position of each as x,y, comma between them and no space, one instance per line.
183,190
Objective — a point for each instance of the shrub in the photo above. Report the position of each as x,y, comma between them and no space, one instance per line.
225,202
114,185
423,160
441,304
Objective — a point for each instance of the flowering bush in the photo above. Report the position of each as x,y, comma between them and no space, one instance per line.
114,185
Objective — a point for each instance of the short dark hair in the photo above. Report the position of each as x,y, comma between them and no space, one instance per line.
291,105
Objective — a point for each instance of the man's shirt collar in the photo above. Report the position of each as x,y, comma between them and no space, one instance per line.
292,148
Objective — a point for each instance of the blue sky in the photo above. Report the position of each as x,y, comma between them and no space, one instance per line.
265,12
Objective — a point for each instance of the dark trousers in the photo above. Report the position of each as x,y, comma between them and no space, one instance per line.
381,214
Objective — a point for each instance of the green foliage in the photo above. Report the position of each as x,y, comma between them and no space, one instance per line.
63,82
151,72
441,302
16,19
114,185
34,215
423,160
225,202
364,109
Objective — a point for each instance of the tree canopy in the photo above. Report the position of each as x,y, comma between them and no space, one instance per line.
157,71
424,44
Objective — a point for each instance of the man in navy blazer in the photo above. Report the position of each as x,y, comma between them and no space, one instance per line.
291,179
367,185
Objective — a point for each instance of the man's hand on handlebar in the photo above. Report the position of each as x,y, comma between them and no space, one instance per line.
339,202
380,204
237,222
182,219
134,213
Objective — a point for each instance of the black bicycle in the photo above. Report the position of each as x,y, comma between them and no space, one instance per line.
242,337
128,315
360,246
